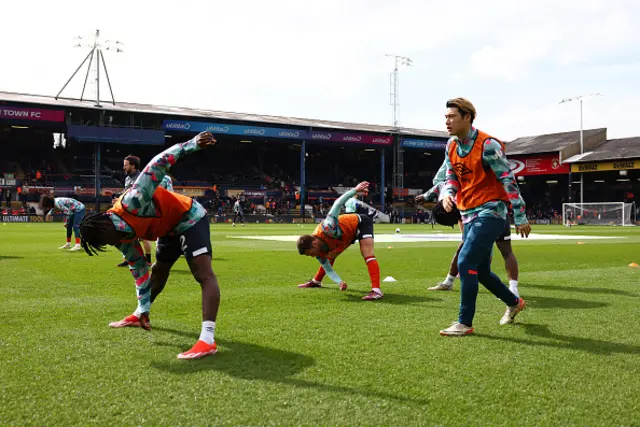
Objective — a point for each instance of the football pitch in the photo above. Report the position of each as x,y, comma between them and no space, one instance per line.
290,356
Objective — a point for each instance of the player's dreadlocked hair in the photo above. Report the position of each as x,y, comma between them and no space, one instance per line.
46,202
93,229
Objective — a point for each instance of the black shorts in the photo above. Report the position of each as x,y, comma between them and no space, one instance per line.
193,242
506,233
365,228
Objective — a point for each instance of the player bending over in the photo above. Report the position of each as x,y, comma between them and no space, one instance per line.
148,211
131,167
335,234
74,211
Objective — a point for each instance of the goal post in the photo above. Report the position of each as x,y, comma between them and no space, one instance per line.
603,213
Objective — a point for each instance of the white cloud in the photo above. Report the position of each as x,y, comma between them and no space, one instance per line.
325,59
567,33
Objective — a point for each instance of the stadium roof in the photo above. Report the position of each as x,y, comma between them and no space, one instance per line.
548,143
212,114
612,149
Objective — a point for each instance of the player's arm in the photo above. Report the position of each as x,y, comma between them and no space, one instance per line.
438,181
61,206
155,171
493,156
167,183
139,268
326,265
451,183
330,223
340,202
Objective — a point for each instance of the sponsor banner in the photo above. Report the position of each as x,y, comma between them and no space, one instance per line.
31,218
219,128
404,192
31,114
115,135
15,218
190,191
255,193
271,132
305,220
424,144
109,191
91,191
37,189
350,138
606,166
234,192
80,191
540,221
544,164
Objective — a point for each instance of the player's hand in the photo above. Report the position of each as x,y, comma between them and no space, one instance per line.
523,230
447,203
144,321
419,198
363,187
343,286
205,139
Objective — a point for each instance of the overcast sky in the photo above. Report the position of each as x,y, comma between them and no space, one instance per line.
326,59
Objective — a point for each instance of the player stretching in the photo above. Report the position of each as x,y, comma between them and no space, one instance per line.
74,211
148,211
131,167
503,242
335,234
482,185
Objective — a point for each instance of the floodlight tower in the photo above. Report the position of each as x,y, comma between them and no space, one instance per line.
580,98
394,95
95,51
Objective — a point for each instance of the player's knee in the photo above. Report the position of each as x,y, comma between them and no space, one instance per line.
464,263
203,274
505,249
160,267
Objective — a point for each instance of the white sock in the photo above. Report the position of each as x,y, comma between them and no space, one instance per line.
513,287
449,280
137,313
208,330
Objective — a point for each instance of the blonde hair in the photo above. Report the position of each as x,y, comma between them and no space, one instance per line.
464,106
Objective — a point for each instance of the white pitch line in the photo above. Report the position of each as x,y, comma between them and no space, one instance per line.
439,237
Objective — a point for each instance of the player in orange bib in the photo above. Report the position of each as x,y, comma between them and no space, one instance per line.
482,186
180,225
333,236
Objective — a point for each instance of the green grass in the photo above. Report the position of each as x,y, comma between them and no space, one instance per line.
319,357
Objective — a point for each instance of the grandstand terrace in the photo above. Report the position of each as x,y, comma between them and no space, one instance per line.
263,159
272,162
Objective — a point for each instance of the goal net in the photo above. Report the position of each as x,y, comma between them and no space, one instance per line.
607,213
